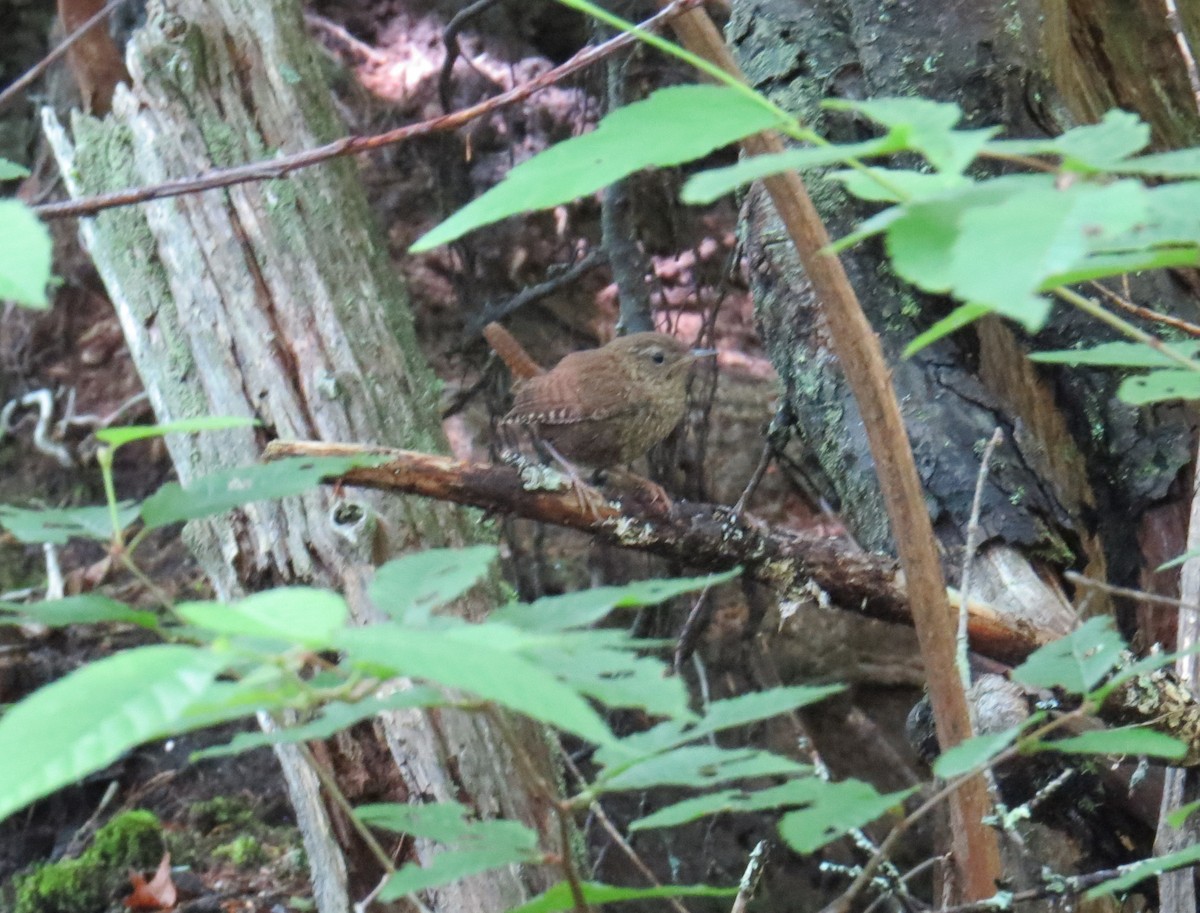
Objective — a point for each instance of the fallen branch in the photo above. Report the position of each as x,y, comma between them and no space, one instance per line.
798,566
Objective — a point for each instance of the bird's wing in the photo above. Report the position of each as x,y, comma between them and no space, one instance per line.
565,397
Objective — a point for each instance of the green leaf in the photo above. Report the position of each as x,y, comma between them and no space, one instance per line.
335,716
1178,163
491,672
299,615
1103,265
961,316
115,437
586,607
834,810
1119,355
90,608
1105,146
222,491
87,719
1178,560
924,126
1147,868
895,185
59,526
710,185
473,846
973,752
11,171
1133,740
1005,253
1077,662
560,897
24,255
697,766
759,705
1158,386
609,666
673,125
412,586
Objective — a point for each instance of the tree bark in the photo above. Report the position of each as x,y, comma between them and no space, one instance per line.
276,301
1076,464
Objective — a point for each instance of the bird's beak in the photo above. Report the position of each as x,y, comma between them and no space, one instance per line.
702,353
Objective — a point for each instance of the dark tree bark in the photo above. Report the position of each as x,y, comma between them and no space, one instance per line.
276,301
1076,465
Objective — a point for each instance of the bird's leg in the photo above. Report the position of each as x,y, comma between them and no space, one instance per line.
655,494
589,498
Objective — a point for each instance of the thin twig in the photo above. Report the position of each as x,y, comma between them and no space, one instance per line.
338,798
272,169
751,877
1144,312
611,829
564,275
50,59
453,51
1080,580
964,669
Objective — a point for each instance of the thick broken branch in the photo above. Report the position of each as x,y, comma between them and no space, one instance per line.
797,565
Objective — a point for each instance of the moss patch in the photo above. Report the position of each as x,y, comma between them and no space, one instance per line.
91,883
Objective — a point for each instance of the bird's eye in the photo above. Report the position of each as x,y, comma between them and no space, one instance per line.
658,357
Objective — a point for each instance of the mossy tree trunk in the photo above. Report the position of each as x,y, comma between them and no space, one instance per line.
276,301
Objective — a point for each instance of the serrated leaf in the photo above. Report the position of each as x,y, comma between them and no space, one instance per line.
1159,386
839,808
585,607
300,615
24,256
1005,253
90,608
491,672
87,719
973,752
1077,662
222,491
411,586
115,437
671,126
60,525
710,185
608,666
1134,740
560,896
696,766
1118,355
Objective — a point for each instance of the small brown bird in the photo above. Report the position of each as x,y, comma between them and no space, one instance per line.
601,407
